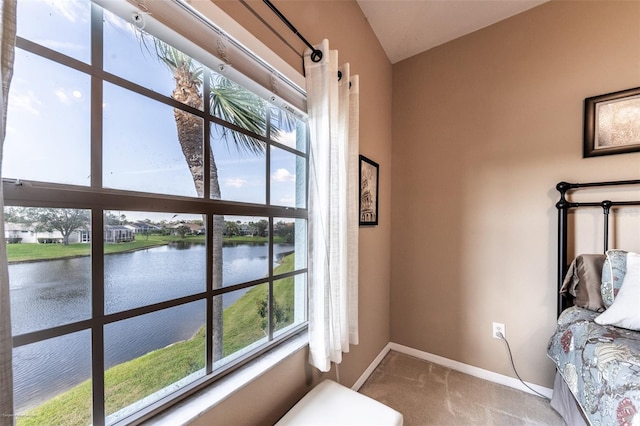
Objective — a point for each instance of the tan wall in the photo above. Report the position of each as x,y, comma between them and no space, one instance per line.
343,23
483,129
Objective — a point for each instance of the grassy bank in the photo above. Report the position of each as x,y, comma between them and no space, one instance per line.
131,381
35,252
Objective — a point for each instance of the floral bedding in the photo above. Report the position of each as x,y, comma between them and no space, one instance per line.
601,366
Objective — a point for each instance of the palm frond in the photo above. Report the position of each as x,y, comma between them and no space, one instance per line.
282,122
242,108
174,58
228,101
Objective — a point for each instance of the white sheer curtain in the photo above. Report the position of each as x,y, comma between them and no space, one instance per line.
8,30
333,109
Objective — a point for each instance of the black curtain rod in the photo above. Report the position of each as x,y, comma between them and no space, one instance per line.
316,54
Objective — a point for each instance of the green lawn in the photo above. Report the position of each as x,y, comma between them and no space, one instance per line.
131,381
34,252
31,252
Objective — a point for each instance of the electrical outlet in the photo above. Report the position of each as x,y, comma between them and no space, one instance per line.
499,328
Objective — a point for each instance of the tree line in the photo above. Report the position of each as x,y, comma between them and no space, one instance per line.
284,230
66,221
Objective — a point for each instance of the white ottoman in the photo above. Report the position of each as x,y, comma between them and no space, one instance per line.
331,404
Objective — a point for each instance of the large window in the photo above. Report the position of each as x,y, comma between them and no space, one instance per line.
155,217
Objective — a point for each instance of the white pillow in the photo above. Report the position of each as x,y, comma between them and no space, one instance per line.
625,310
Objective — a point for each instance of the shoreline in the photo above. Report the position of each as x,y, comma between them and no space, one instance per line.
76,256
131,250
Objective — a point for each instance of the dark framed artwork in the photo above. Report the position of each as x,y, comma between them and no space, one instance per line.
368,191
612,123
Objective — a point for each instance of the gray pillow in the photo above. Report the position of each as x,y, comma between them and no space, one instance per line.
583,281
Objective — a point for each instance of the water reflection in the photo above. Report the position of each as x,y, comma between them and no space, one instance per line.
154,275
50,293
184,245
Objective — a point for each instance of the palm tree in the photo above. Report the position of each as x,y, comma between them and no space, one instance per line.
228,101
235,105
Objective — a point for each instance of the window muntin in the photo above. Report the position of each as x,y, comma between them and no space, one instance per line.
227,339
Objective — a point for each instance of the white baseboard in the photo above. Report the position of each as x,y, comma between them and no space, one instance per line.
454,365
363,378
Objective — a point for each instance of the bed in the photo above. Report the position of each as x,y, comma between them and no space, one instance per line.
596,345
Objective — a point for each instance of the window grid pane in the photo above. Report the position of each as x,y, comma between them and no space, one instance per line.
29,150
36,18
56,290
239,162
145,263
138,350
144,149
144,59
60,367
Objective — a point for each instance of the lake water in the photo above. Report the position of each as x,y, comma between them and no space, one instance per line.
52,293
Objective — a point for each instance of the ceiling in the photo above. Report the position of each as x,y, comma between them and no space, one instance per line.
408,27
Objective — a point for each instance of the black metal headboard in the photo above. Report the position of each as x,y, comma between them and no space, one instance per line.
563,206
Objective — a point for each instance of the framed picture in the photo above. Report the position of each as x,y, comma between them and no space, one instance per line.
612,123
368,191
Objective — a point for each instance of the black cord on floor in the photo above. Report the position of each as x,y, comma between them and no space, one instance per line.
501,336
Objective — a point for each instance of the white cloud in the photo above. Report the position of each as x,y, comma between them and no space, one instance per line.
250,162
66,97
70,9
151,171
61,46
235,182
287,138
287,201
27,101
283,175
62,96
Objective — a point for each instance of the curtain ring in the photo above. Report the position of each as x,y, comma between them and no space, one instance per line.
316,55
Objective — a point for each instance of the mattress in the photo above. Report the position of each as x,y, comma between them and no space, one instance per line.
565,404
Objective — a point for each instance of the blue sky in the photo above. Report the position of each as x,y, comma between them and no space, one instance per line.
48,126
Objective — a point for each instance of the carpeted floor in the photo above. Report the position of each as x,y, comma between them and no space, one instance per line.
429,394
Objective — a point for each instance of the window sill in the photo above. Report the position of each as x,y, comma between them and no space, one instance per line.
194,406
